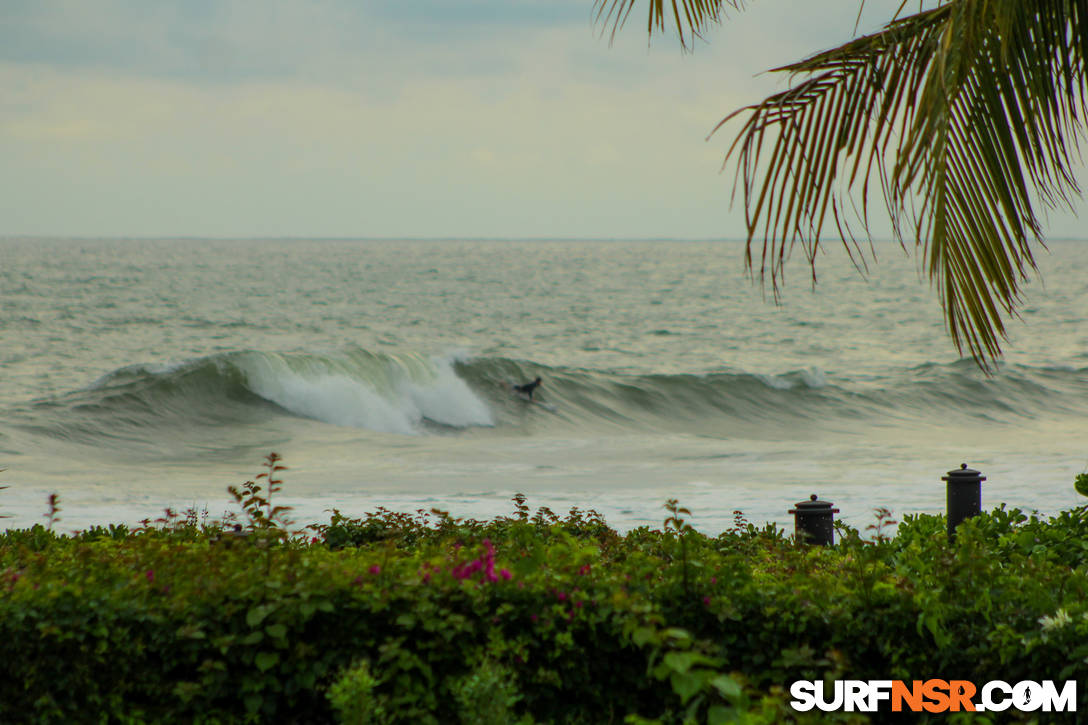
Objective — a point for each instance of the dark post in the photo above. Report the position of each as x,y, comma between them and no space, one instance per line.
964,496
813,521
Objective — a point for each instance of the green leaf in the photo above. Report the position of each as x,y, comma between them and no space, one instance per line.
727,686
683,661
688,684
643,635
720,714
190,631
187,691
266,660
276,631
252,638
256,615
678,635
253,702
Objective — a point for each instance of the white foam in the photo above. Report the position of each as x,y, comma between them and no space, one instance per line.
394,398
814,377
811,377
447,400
775,381
337,399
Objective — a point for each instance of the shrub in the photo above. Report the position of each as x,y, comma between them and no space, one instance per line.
527,618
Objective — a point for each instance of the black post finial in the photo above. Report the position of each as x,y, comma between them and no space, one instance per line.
964,496
814,521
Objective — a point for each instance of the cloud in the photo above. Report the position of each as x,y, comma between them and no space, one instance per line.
124,155
239,40
334,118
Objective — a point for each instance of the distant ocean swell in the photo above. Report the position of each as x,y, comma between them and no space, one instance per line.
418,394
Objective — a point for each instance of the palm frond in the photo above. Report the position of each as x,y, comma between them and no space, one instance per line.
691,17
963,116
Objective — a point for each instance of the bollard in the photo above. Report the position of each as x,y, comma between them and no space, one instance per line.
813,521
964,496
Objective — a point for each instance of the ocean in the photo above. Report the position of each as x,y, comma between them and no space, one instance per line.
137,375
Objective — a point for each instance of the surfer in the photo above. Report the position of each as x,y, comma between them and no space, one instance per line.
528,388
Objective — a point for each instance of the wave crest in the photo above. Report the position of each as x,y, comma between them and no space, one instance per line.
418,394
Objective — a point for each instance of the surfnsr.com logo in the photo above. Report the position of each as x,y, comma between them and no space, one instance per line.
934,696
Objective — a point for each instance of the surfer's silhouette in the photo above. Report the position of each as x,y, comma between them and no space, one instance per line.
528,388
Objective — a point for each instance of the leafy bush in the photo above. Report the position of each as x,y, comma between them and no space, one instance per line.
529,618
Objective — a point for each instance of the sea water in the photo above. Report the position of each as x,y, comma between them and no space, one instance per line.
137,375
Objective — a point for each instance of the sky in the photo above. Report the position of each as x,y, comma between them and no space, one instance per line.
384,118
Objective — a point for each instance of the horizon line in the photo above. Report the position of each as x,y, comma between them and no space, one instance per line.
295,238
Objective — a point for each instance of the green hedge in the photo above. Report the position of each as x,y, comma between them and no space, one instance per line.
396,618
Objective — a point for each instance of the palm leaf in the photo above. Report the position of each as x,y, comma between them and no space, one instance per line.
691,17
964,116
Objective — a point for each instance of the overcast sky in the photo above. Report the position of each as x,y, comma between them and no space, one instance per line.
382,118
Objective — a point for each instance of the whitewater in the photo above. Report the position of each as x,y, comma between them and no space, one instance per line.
137,375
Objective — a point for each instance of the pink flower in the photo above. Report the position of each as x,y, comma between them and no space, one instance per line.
375,569
485,563
489,561
464,571
706,601
562,596
584,570
713,580
150,575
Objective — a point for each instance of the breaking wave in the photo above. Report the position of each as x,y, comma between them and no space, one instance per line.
418,394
